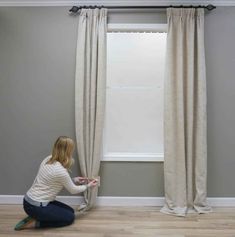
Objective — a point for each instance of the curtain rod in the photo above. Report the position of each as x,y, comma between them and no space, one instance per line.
75,9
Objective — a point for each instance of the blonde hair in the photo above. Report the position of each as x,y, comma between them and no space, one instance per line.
62,152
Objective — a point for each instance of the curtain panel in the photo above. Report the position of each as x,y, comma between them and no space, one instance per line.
90,89
185,137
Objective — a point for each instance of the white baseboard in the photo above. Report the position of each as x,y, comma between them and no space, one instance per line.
130,201
221,202
120,201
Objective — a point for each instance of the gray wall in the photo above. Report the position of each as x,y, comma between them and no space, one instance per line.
220,60
37,65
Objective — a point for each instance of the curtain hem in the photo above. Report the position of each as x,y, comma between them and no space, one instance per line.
183,211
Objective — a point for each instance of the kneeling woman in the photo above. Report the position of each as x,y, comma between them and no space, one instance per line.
39,202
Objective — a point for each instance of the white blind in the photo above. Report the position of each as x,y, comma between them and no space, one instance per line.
134,103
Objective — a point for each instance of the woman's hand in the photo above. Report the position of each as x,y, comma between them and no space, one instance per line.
93,183
80,180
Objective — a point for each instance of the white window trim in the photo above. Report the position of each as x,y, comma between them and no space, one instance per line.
128,156
133,157
137,28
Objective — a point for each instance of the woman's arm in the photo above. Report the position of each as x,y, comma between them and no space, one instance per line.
67,182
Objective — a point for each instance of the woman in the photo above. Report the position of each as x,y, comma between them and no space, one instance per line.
39,202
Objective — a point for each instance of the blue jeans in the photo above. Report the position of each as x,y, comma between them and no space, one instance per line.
55,214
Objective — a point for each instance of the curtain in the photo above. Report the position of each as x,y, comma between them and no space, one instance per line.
185,138
90,87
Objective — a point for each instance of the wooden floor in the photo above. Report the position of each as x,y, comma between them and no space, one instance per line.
128,222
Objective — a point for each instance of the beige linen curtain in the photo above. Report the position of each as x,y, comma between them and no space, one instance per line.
90,86
185,145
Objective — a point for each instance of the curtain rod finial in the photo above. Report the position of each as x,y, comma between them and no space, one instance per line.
210,7
74,9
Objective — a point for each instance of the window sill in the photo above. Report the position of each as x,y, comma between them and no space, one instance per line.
133,157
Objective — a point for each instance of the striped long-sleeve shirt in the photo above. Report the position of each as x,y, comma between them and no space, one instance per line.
50,180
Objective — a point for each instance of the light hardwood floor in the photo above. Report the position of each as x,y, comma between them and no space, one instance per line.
128,222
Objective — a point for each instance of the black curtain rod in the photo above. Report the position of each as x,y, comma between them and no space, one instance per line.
75,9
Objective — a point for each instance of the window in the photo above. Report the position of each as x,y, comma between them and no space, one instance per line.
134,95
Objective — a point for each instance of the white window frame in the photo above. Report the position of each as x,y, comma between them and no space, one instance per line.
128,156
137,27
133,157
